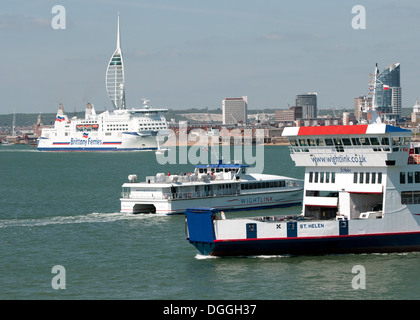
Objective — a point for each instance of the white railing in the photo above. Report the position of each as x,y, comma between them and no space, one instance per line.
178,195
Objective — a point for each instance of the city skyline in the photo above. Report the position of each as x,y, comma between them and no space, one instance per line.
193,55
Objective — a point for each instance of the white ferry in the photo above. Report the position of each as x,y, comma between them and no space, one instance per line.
223,186
361,195
119,130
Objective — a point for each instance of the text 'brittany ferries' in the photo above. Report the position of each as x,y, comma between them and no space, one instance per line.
85,142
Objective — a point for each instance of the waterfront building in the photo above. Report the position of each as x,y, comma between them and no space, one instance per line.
415,115
235,110
308,102
360,104
287,115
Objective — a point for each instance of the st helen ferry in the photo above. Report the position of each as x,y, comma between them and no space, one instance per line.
226,186
361,195
122,129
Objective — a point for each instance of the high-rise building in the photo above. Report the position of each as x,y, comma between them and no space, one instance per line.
308,102
288,115
115,75
235,110
388,90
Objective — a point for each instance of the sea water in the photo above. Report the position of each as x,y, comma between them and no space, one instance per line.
62,209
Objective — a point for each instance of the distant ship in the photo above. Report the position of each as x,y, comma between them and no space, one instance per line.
119,130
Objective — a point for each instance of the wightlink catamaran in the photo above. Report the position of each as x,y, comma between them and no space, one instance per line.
226,186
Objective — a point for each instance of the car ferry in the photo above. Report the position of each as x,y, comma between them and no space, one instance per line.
118,130
222,185
361,195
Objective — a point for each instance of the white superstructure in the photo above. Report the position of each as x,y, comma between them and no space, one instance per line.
118,130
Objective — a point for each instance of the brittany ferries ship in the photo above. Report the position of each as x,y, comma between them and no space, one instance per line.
223,186
361,195
119,130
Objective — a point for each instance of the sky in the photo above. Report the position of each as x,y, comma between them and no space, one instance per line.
193,53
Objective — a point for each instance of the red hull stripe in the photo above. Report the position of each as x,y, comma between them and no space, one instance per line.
332,130
317,237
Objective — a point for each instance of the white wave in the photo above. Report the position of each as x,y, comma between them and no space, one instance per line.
87,218
268,256
204,257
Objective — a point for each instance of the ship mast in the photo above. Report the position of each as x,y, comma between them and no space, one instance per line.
115,75
373,109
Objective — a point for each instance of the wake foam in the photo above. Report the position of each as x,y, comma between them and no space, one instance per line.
87,218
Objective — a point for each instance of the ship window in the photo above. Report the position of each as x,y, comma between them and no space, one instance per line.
374,141
328,142
406,141
311,176
402,177
373,177
321,177
385,141
417,177
332,177
365,141
356,141
327,177
346,141
409,177
302,142
361,177
416,197
406,197
355,177
395,141
379,177
338,145
367,177
320,142
311,142
316,177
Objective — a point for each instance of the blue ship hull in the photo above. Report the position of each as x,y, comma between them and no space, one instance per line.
201,234
335,245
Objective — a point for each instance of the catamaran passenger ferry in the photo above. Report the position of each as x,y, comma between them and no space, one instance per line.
223,186
361,195
119,130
